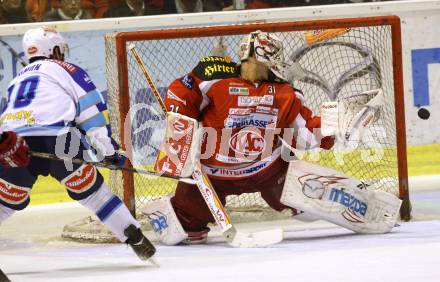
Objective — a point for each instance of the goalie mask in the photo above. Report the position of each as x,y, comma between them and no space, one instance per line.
266,48
41,41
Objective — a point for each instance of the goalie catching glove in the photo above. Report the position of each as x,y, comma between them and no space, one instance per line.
348,118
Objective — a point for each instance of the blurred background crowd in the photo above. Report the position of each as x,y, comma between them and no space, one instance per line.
21,11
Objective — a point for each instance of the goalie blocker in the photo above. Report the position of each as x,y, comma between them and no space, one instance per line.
333,196
180,147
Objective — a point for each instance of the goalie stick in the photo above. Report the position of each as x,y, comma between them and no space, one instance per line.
232,236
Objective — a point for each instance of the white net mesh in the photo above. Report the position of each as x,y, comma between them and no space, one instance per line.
335,66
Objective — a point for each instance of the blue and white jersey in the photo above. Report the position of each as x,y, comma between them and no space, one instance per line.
49,95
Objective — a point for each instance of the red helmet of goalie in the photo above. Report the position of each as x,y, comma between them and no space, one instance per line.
266,48
41,42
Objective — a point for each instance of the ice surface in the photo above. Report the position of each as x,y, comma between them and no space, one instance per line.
311,252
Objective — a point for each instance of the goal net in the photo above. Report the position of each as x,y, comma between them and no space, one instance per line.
333,59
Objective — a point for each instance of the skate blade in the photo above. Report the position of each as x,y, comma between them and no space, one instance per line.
153,262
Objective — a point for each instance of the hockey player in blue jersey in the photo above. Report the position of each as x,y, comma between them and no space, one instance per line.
49,102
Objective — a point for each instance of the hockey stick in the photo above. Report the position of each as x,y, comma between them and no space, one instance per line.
13,53
54,157
151,173
233,237
3,277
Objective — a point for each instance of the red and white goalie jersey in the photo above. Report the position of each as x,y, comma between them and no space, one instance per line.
242,120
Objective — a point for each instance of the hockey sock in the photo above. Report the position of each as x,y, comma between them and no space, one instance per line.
111,211
5,213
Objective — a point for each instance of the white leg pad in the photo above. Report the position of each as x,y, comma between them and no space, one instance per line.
333,196
164,221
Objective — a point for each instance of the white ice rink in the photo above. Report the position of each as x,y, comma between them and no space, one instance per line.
32,250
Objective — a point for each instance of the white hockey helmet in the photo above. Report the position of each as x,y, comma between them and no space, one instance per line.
40,42
266,48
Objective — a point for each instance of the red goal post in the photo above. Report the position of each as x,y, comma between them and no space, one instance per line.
337,57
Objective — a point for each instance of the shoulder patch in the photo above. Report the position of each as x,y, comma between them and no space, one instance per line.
213,67
79,75
188,81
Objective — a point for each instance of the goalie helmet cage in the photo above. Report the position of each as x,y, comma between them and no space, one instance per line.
338,57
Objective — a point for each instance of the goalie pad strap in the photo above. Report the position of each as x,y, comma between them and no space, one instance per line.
337,198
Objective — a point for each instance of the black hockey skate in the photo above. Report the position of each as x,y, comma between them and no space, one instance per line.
139,243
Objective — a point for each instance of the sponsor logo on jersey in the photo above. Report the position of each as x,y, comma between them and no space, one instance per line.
233,83
13,194
188,81
230,160
172,96
238,90
212,67
348,200
226,59
80,180
242,172
266,110
218,68
24,116
69,67
239,111
251,120
247,143
249,101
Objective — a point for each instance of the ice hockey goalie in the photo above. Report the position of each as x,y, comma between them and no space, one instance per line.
246,111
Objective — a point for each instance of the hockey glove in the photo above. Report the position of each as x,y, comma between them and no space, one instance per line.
350,117
117,160
13,150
